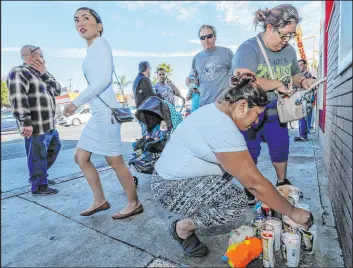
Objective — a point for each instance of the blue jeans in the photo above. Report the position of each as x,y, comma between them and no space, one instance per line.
303,125
42,151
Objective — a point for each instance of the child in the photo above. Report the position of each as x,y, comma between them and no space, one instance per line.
159,133
155,135
194,95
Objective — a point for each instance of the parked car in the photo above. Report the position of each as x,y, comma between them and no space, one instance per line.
8,121
81,116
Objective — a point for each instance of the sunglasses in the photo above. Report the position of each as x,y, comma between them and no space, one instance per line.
283,36
209,36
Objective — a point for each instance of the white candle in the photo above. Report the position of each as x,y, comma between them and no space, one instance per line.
277,226
291,247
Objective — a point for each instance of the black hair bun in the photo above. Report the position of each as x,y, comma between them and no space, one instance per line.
240,80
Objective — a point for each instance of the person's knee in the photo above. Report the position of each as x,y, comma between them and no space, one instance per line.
254,153
279,154
116,162
81,159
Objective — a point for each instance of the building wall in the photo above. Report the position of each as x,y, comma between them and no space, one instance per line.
336,140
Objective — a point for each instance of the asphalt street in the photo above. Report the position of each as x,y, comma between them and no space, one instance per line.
12,143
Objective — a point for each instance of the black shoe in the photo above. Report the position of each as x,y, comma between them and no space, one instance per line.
251,198
45,190
287,182
284,182
50,182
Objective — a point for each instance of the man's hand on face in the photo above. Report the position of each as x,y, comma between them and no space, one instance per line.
169,82
27,131
39,65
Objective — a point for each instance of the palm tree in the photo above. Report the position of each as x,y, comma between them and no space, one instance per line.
122,83
166,67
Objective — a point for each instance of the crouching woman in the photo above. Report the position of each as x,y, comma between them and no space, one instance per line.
193,175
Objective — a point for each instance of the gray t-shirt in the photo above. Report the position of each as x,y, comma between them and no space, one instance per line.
213,70
166,91
191,150
284,63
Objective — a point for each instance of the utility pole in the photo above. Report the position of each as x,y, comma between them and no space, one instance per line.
70,84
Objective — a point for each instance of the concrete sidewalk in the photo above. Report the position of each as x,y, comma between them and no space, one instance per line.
48,231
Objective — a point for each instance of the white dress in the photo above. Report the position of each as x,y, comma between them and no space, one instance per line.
99,136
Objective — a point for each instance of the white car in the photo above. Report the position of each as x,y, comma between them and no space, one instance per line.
79,117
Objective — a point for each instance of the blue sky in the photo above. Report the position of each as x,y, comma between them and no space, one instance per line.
157,31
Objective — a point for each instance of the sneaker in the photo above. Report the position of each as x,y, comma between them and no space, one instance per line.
50,182
284,182
251,198
44,190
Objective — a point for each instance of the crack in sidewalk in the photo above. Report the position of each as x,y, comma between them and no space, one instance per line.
116,239
324,208
74,176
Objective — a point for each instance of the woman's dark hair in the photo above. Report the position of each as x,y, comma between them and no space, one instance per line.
279,16
303,61
244,87
94,14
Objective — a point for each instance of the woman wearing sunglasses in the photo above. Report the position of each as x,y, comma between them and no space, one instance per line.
101,135
279,26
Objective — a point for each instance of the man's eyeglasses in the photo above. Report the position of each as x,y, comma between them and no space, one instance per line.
285,36
209,36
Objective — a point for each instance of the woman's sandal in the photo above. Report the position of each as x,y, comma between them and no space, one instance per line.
192,246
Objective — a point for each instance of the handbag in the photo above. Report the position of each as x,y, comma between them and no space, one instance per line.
120,115
293,107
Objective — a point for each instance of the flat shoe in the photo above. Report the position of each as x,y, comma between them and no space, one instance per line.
105,206
119,216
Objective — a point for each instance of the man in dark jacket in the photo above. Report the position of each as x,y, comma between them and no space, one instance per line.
142,87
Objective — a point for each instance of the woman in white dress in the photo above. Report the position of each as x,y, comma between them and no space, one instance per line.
101,135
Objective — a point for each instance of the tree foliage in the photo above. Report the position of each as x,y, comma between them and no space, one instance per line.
4,95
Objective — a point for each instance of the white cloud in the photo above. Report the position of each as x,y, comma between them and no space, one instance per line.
10,49
194,41
310,13
134,5
236,12
170,34
181,9
186,13
69,2
67,52
123,53
81,53
168,6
